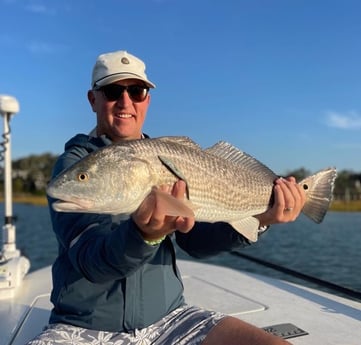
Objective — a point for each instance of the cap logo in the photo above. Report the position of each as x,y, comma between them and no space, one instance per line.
125,61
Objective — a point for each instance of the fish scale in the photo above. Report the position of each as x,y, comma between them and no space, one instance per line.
224,199
223,183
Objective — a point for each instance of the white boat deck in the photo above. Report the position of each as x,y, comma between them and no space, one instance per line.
262,301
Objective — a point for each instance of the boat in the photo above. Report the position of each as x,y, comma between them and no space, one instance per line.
302,314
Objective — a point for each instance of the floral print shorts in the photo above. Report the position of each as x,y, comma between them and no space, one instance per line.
187,325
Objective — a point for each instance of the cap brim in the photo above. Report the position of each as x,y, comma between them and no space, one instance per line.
116,77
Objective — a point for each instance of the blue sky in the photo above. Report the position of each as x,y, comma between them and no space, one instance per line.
280,79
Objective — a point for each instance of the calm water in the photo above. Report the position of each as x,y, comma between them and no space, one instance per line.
330,251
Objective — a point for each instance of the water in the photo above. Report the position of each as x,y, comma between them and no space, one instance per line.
34,235
330,251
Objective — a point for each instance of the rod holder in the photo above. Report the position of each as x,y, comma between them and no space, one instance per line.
13,266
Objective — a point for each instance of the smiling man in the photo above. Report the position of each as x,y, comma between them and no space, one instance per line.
120,95
117,282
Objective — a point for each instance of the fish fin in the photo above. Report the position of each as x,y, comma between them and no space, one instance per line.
231,153
248,227
319,190
180,140
174,170
227,151
171,167
172,206
117,218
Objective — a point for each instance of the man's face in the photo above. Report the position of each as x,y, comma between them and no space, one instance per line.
120,119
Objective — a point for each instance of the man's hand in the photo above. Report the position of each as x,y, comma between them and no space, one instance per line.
289,199
151,218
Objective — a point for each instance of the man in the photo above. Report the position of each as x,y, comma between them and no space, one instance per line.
117,282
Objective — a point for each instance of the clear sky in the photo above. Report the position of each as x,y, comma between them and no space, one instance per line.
280,79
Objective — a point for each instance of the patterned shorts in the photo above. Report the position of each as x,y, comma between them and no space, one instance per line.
187,325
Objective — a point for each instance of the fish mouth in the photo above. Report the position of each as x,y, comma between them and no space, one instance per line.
75,205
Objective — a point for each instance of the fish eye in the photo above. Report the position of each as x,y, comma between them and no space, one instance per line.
305,186
82,177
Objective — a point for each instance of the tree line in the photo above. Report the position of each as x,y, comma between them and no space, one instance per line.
32,173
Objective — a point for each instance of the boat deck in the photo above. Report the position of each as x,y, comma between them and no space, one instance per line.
262,301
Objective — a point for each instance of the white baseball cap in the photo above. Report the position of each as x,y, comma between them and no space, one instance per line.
118,65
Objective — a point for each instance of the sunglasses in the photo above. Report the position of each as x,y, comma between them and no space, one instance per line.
112,92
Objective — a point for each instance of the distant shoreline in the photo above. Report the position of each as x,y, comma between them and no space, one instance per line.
36,200
346,206
40,200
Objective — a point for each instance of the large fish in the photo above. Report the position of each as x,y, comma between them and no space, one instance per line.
223,183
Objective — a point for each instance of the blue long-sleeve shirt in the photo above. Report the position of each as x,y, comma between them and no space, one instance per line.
105,276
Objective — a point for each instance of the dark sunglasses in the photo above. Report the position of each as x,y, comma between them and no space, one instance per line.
112,92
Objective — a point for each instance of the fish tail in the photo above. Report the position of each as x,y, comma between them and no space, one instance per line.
319,193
